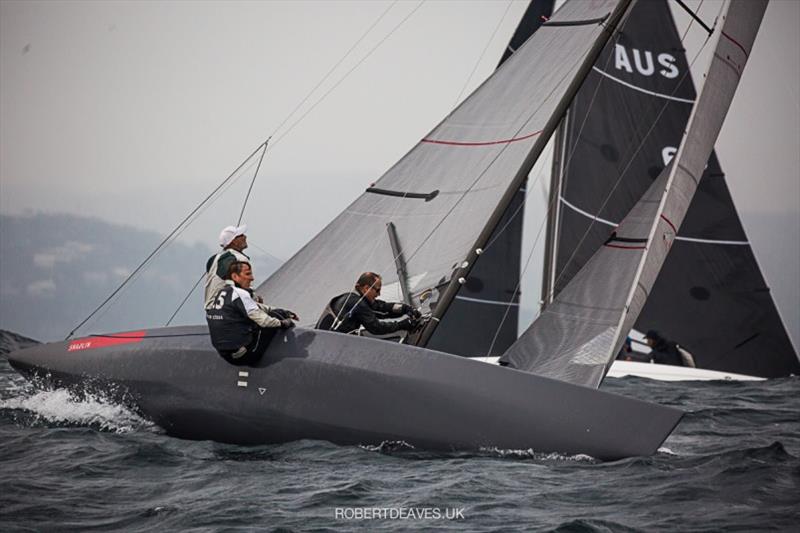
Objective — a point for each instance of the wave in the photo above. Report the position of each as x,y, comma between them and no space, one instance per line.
63,408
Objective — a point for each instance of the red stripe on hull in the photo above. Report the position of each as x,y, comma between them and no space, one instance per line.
90,343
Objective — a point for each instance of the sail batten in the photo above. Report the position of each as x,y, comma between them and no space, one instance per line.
554,347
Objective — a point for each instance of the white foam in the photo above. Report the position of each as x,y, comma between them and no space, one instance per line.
531,454
59,406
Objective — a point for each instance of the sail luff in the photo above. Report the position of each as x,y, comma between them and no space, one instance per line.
610,25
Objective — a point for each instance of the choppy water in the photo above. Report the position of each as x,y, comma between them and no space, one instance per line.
732,464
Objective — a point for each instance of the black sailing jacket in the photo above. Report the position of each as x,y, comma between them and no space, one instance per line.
348,311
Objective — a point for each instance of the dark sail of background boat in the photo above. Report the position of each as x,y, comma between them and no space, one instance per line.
710,295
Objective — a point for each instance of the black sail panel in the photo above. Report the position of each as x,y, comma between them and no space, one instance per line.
483,319
710,296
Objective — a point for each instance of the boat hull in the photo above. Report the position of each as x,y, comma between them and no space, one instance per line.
348,390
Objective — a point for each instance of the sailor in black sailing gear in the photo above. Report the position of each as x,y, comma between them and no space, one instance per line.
240,327
233,241
664,351
349,311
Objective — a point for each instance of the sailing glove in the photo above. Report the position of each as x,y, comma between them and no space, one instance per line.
406,324
287,323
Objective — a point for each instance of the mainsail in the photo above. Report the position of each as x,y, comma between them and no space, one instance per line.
577,336
483,319
439,196
626,123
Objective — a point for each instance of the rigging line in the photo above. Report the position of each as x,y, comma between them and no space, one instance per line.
519,208
477,179
691,21
289,116
541,171
375,245
216,197
347,74
694,16
542,226
483,53
333,68
196,283
551,201
163,243
630,161
250,243
497,156
253,181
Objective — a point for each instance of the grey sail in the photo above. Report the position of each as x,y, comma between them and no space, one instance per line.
439,196
576,338
349,389
483,319
710,295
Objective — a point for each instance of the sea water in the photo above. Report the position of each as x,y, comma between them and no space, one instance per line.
733,463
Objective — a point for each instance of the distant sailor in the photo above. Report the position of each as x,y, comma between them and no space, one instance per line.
349,311
233,241
240,327
667,352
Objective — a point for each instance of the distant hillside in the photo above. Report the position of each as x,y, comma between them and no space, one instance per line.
10,341
55,269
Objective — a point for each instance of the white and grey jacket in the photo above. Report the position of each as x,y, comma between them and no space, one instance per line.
234,316
216,268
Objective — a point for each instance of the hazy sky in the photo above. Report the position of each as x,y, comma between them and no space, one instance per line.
135,111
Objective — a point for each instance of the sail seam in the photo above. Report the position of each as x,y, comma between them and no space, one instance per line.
678,238
482,301
733,66
621,247
734,41
482,143
689,173
588,215
671,225
712,241
641,90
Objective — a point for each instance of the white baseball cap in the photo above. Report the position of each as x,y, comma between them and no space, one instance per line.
227,235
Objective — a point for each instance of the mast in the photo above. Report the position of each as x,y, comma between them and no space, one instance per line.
609,23
554,208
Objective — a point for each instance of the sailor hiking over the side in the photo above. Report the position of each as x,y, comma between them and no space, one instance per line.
240,327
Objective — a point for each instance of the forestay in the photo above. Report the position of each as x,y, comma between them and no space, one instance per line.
440,195
577,336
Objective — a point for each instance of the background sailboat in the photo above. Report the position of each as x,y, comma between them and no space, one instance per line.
710,295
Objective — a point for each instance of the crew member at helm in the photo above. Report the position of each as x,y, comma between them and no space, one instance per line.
349,311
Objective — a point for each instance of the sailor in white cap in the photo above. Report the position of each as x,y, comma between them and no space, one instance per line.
233,241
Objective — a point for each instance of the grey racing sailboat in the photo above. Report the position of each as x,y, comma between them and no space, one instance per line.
439,205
